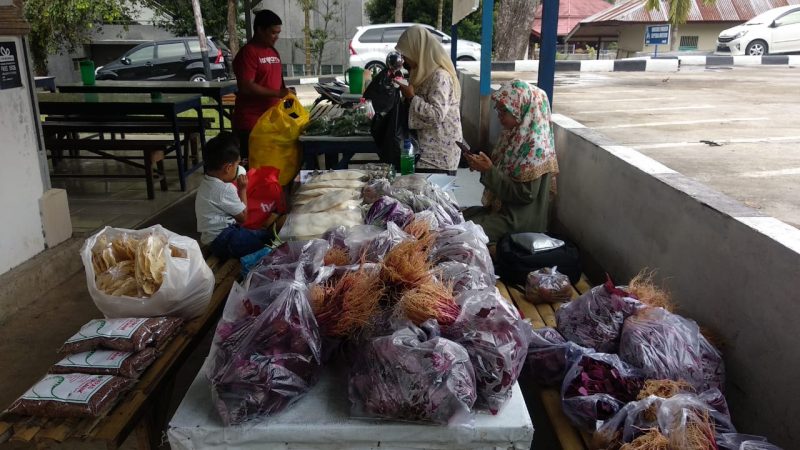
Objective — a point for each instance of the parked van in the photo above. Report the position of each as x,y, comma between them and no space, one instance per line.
775,31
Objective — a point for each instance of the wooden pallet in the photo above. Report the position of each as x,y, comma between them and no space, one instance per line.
145,407
543,315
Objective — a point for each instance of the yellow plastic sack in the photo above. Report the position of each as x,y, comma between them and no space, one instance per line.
274,139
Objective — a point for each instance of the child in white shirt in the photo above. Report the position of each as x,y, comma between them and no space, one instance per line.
220,206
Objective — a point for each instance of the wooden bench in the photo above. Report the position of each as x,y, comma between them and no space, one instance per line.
152,152
72,126
543,315
145,408
187,153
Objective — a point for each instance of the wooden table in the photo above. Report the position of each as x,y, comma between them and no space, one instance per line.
332,146
102,111
46,83
211,89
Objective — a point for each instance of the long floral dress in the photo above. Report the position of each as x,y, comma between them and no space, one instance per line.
435,114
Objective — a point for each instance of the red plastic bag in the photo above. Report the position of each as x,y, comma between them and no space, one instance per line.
264,196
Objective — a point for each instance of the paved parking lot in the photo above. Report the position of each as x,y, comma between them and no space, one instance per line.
734,129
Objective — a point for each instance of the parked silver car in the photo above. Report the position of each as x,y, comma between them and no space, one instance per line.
372,43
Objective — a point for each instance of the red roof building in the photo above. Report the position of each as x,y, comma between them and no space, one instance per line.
624,23
570,13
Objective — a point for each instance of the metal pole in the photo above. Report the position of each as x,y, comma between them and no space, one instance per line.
248,19
487,22
599,47
547,53
454,43
201,34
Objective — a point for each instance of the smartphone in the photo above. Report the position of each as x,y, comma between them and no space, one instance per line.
466,149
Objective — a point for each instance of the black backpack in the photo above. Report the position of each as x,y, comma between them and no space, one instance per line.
389,127
514,262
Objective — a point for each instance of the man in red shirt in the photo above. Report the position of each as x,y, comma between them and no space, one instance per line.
258,76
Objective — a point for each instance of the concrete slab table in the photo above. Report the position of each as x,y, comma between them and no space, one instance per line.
321,421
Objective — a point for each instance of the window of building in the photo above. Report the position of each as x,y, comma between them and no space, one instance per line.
688,43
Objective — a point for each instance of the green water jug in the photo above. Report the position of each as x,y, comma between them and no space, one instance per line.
354,77
87,72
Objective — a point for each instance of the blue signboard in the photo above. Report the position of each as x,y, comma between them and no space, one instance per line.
656,34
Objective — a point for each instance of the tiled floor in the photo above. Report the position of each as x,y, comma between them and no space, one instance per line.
94,203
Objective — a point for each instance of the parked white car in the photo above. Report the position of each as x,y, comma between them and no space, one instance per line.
372,43
775,31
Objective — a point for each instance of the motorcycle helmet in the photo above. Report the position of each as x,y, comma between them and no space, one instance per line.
394,61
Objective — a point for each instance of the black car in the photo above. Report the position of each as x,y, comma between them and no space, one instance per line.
173,59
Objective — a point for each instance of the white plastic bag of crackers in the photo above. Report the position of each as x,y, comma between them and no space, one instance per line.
146,273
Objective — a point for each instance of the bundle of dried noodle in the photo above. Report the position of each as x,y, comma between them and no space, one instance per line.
406,265
347,306
418,228
336,256
643,287
662,389
652,440
696,434
429,300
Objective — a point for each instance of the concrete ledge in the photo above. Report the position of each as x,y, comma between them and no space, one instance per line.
584,65
725,60
30,280
746,60
775,60
727,266
719,60
597,65
630,65
663,65
568,66
527,66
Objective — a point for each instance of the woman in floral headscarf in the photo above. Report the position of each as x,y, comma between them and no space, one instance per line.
518,176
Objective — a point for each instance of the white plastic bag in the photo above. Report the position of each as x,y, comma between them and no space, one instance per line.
185,289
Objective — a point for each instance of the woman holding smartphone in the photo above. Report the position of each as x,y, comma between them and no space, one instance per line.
434,99
518,175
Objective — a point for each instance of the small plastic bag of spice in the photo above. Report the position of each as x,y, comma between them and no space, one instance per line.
547,286
71,395
107,362
127,335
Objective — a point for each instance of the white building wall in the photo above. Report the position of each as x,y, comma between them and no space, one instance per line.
350,14
21,184
631,37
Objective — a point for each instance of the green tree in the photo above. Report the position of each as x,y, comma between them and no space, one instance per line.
316,38
63,25
176,16
307,6
425,11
